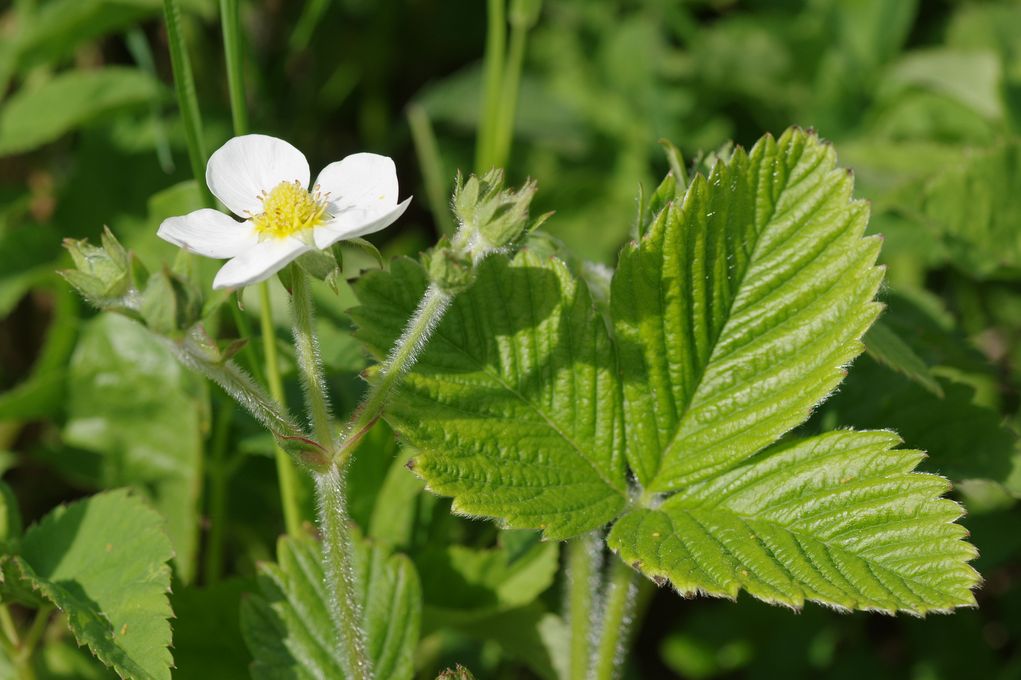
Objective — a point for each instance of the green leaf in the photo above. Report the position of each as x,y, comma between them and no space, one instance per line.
131,402
520,357
36,116
839,519
735,314
884,345
289,630
103,563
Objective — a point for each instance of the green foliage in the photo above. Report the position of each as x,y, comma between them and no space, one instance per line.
36,116
103,563
519,357
289,631
733,317
839,519
144,415
886,347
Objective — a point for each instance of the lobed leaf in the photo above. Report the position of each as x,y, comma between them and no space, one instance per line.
839,519
515,401
103,563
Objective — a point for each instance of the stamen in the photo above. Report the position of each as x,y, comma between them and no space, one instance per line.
289,209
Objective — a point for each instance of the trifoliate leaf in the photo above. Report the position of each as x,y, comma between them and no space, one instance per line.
289,629
736,313
103,563
839,519
514,402
734,316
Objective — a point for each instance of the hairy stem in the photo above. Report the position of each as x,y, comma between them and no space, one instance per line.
337,561
184,84
617,615
401,358
306,348
235,382
583,562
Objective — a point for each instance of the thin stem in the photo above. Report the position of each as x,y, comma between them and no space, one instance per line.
431,165
286,474
583,562
306,348
496,39
138,46
218,479
230,20
617,616
402,357
236,383
337,560
184,83
7,626
503,133
35,632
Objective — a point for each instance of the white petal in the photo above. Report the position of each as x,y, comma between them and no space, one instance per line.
208,232
246,167
356,222
259,262
361,180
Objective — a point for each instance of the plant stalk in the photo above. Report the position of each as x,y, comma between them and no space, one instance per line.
618,612
496,39
187,100
286,474
431,165
503,132
583,562
307,350
338,553
218,480
230,20
401,358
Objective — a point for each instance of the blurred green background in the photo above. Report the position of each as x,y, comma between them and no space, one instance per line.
921,99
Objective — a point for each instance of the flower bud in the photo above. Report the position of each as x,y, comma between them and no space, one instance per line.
449,270
492,217
103,276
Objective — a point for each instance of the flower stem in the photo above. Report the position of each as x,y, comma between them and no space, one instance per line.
496,39
337,562
402,357
307,350
187,100
618,613
583,561
286,475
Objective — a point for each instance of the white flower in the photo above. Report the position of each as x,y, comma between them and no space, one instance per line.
264,181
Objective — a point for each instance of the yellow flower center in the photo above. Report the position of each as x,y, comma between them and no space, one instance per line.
289,209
